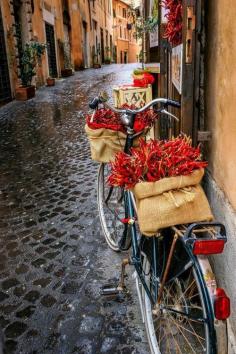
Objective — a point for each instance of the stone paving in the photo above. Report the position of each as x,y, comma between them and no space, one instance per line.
53,257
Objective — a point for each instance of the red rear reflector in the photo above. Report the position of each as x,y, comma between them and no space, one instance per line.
208,246
221,305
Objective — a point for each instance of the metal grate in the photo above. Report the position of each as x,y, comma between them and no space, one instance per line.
5,88
52,60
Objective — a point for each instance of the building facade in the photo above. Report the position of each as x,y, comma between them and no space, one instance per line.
101,42
126,48
74,33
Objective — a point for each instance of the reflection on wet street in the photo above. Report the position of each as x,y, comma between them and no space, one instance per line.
53,256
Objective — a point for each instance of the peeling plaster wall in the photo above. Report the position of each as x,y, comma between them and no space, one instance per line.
220,120
225,264
221,93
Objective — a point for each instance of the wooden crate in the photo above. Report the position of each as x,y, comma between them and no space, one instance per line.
130,95
139,96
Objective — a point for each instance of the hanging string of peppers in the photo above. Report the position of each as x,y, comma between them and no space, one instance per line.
106,118
174,17
154,160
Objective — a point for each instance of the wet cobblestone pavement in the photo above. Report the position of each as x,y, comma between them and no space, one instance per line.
53,256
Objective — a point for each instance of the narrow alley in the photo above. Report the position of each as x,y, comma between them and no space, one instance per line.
54,258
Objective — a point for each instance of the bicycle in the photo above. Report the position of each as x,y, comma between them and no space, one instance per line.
182,308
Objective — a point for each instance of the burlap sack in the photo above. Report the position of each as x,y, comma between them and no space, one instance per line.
104,143
171,201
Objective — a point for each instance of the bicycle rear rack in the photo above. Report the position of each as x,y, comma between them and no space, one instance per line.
203,238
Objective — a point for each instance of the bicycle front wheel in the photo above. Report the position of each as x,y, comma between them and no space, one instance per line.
181,323
112,209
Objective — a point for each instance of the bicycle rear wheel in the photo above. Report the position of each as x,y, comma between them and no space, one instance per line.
112,209
182,323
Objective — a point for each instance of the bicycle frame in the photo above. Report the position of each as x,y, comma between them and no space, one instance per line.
194,261
136,261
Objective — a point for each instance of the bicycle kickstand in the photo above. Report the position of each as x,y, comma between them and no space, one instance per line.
111,289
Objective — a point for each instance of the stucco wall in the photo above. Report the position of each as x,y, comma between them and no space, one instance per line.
220,99
225,264
123,38
221,94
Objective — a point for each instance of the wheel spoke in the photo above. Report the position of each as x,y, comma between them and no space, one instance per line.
188,330
186,339
180,324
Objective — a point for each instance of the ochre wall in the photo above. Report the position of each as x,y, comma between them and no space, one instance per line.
10,43
126,41
221,94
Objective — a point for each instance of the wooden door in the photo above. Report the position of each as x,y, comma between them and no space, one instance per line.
51,50
186,89
5,88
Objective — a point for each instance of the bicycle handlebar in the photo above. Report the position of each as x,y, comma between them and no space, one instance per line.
166,102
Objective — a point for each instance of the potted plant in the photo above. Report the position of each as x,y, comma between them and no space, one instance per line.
67,70
29,60
143,27
50,81
96,63
107,58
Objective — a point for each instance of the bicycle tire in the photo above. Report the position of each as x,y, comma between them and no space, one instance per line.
111,211
170,332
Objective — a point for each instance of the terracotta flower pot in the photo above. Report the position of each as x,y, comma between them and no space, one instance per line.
25,93
66,72
96,66
50,81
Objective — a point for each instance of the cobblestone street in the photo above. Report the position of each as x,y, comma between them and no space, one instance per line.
54,258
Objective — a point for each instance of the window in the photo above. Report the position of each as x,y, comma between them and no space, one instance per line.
120,32
124,12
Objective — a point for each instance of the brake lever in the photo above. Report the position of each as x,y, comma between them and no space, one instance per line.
169,114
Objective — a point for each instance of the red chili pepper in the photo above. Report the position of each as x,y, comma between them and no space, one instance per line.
174,17
154,160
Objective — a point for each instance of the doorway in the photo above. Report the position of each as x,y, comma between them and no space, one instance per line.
51,50
5,88
85,45
125,57
102,46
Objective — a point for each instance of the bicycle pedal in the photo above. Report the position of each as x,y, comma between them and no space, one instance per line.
111,290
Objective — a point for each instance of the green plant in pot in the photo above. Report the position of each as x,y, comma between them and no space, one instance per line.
144,26
107,58
30,59
96,54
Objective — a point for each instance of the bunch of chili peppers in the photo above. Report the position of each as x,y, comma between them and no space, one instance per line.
106,118
174,17
154,160
143,80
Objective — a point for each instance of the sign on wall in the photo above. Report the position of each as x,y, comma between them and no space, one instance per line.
176,65
153,36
